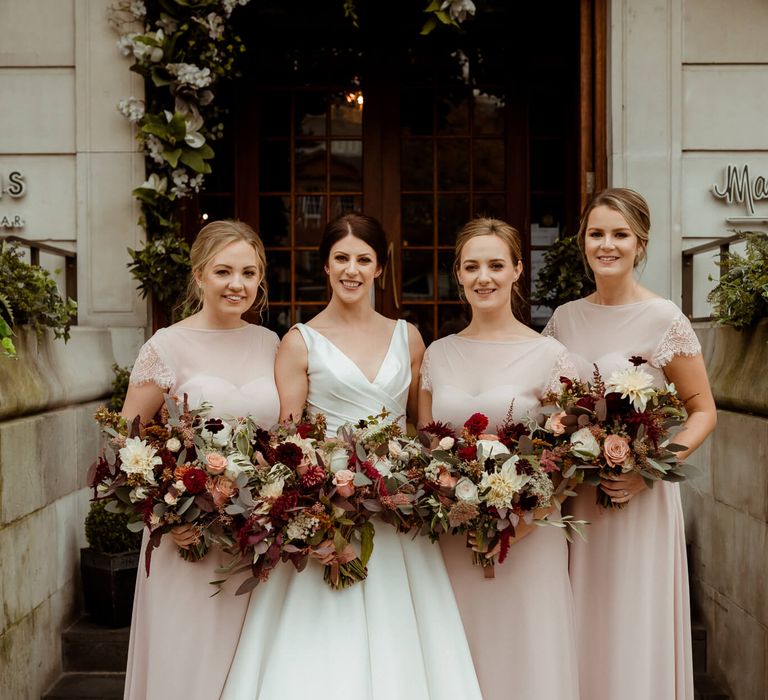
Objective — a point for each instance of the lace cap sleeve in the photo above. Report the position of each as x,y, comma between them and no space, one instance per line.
150,367
679,339
551,329
426,379
563,367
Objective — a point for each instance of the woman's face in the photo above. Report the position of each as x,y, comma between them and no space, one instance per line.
230,281
352,266
487,273
610,245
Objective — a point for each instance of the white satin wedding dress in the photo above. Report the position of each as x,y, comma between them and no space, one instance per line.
397,635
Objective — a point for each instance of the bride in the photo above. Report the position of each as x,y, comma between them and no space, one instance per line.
397,634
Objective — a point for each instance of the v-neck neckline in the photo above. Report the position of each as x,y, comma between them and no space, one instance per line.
351,361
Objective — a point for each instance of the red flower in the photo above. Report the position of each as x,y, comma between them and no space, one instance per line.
314,476
169,461
586,402
289,454
439,430
373,474
194,480
509,433
282,505
468,453
304,429
567,381
476,423
505,536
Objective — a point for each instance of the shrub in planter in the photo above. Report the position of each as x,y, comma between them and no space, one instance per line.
108,566
563,276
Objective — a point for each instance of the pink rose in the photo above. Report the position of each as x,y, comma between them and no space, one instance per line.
555,423
616,449
215,463
446,479
221,489
343,479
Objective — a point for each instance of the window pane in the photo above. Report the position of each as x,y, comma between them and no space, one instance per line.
453,113
311,109
275,113
306,313
310,277
310,219
278,319
451,318
274,220
215,207
489,164
344,203
447,286
417,222
416,112
275,167
418,278
310,166
547,165
421,316
489,114
492,205
452,214
279,275
347,114
453,164
347,166
416,165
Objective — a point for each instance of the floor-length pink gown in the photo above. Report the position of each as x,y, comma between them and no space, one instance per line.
630,578
183,641
519,624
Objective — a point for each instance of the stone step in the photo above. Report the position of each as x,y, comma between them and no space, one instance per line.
87,686
87,646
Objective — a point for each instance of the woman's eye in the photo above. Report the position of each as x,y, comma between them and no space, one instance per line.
250,273
595,234
220,273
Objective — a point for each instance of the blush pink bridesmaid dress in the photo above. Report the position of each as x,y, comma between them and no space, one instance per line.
183,641
519,624
630,578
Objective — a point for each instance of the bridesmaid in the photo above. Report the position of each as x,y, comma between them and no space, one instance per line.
629,578
182,640
519,624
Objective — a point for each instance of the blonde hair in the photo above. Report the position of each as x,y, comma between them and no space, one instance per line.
486,226
631,205
211,239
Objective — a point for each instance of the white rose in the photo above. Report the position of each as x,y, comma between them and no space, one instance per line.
179,486
584,445
466,490
171,498
490,448
446,443
173,445
338,460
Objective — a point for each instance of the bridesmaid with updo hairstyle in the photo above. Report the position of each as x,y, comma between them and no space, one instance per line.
630,576
519,624
182,640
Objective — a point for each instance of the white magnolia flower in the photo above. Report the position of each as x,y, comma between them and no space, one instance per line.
466,490
584,445
446,443
173,444
503,484
138,457
273,489
458,9
634,384
490,448
155,182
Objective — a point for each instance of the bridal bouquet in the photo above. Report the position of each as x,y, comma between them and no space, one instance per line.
485,484
604,429
184,467
314,497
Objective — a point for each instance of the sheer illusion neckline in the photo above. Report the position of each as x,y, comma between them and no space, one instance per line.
351,361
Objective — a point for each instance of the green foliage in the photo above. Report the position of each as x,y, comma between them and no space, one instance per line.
162,268
119,387
108,532
563,277
30,296
740,298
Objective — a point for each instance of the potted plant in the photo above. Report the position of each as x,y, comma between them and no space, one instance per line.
108,566
563,277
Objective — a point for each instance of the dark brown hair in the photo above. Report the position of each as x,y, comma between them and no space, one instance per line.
361,226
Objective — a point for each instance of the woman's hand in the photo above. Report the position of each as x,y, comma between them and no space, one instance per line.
185,535
487,553
623,487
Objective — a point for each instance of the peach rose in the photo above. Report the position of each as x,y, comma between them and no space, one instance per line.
221,489
215,463
555,423
616,449
446,479
343,479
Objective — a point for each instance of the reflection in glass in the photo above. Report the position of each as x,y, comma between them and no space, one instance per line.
347,166
447,286
417,222
416,165
344,203
452,112
310,166
216,207
311,284
347,113
451,318
275,166
418,277
453,164
311,109
489,114
274,220
420,316
307,313
278,319
279,275
492,205
275,113
309,218
489,164
452,214
416,112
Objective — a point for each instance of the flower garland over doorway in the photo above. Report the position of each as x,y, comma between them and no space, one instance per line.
183,49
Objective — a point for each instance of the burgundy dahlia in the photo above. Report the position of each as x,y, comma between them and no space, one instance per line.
439,430
476,423
314,476
194,480
289,454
